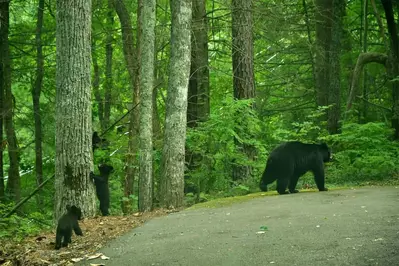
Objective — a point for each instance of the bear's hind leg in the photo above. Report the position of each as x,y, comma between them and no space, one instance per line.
292,184
282,184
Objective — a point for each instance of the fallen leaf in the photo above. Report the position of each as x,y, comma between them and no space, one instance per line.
77,259
95,256
103,257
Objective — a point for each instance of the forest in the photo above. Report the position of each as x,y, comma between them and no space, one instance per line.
178,102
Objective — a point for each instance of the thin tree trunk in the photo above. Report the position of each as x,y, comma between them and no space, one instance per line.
305,8
323,16
14,183
36,100
96,87
334,93
73,163
132,67
146,89
172,166
108,66
2,141
364,112
243,71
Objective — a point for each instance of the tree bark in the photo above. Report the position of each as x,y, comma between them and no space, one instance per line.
198,88
3,142
36,91
13,189
108,66
132,67
364,42
146,90
243,71
172,166
324,20
393,63
73,163
334,85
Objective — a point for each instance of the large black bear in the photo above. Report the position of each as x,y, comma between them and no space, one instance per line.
66,223
102,188
290,160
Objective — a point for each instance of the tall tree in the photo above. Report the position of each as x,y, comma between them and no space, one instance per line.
334,65
132,66
243,70
198,107
328,15
14,183
73,163
323,17
172,165
146,90
2,141
393,62
36,90
198,87
108,66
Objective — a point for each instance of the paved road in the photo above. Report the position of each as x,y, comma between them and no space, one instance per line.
343,227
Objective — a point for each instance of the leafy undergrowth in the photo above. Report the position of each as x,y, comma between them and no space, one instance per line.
39,250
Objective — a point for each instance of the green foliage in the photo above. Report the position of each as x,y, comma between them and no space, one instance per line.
17,227
311,128
213,145
363,152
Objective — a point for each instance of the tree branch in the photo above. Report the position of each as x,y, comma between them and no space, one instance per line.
362,60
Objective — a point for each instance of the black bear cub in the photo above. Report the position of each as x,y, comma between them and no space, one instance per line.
102,188
66,223
290,160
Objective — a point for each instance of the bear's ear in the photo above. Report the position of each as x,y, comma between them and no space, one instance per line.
68,207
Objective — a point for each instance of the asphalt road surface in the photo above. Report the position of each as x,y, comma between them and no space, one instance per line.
342,227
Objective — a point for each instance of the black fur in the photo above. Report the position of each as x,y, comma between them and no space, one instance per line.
66,223
98,142
102,188
290,160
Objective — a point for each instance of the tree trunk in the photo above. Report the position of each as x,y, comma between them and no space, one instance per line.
364,41
323,16
243,71
73,163
309,33
172,177
334,85
14,183
198,107
3,142
36,100
198,87
96,86
108,67
132,67
146,88
393,63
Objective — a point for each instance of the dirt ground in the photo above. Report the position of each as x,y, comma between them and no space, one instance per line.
39,250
